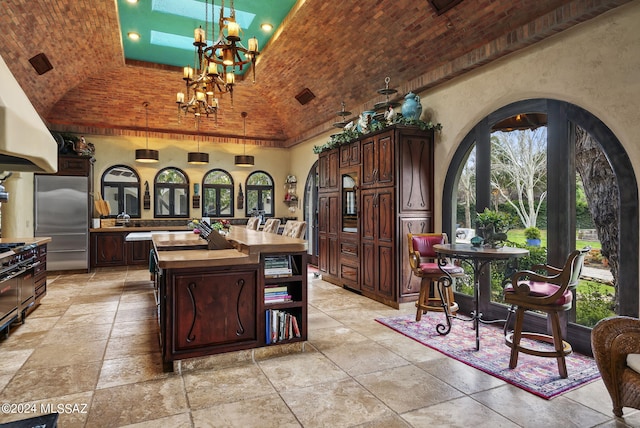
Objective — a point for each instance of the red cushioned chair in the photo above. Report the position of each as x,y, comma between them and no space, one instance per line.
424,264
550,294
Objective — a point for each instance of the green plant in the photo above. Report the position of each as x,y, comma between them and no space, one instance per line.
532,232
499,220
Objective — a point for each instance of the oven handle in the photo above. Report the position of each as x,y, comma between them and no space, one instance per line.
13,275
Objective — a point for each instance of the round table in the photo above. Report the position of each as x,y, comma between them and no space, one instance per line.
477,258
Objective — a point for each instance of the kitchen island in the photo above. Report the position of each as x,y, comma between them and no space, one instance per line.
216,301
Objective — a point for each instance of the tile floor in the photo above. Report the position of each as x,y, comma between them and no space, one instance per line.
92,347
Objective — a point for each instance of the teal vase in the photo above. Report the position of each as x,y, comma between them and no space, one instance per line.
411,108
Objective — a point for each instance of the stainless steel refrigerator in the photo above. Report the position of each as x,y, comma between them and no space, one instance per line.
62,213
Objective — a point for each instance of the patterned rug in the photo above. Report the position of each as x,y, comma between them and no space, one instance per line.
533,374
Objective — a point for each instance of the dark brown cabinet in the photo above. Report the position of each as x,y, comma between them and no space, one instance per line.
350,154
328,166
216,309
393,196
40,274
108,249
112,249
328,226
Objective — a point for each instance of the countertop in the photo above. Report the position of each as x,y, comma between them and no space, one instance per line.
138,229
248,246
38,240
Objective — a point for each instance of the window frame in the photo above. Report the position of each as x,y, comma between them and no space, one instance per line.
260,189
560,198
217,188
172,187
121,187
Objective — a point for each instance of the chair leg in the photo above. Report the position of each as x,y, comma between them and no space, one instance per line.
510,312
423,298
559,346
517,333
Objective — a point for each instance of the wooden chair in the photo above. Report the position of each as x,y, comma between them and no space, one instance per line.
551,294
615,343
424,265
295,229
253,223
271,225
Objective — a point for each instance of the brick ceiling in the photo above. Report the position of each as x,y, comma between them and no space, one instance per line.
339,50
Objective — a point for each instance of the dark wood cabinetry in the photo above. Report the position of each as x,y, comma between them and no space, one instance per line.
40,274
216,309
112,249
394,196
108,249
81,166
328,166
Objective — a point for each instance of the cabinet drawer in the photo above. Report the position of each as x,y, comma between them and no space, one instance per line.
349,273
41,268
349,249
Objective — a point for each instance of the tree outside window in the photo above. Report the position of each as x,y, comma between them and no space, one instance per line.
171,193
121,188
259,194
217,192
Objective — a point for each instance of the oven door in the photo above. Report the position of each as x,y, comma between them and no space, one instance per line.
8,299
27,289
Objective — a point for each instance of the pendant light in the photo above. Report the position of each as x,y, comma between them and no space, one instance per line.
147,155
198,158
244,160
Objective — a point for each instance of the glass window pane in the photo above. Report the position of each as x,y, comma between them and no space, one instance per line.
181,202
162,202
226,204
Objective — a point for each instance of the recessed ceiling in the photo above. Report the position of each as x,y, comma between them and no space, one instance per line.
166,26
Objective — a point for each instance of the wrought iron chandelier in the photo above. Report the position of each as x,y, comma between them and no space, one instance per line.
215,65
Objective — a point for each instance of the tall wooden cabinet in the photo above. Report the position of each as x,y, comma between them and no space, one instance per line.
393,196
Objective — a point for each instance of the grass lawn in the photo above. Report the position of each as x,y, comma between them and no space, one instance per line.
517,235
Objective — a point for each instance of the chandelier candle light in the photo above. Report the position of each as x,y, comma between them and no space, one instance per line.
206,78
147,155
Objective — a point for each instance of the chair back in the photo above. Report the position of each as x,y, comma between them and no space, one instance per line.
423,243
271,225
295,229
253,223
565,279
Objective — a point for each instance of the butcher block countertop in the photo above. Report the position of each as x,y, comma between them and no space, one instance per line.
248,245
38,240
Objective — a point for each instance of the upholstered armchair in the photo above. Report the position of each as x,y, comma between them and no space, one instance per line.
615,343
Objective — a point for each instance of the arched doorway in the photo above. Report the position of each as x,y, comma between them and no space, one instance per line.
311,213
562,121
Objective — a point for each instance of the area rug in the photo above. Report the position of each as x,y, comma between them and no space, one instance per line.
533,374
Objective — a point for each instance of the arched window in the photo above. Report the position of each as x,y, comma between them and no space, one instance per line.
217,193
121,188
259,194
549,134
171,193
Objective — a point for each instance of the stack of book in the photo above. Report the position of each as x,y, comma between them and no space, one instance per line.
276,294
277,266
281,325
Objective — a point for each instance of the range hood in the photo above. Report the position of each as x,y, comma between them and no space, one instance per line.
25,142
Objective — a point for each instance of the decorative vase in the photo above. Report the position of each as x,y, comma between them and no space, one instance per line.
411,108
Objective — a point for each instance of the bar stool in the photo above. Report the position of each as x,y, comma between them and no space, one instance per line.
424,265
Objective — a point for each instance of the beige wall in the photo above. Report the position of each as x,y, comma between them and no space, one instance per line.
120,150
595,65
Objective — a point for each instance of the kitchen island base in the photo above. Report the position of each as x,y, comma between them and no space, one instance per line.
219,301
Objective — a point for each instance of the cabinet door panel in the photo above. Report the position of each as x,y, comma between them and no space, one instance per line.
334,256
416,170
368,265
386,216
369,215
384,151
386,266
334,214
369,162
323,253
214,308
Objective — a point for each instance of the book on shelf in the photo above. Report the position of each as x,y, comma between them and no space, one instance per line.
277,266
281,325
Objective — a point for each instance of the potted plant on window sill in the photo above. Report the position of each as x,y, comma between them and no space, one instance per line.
492,227
532,234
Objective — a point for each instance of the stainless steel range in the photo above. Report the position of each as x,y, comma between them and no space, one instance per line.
17,286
